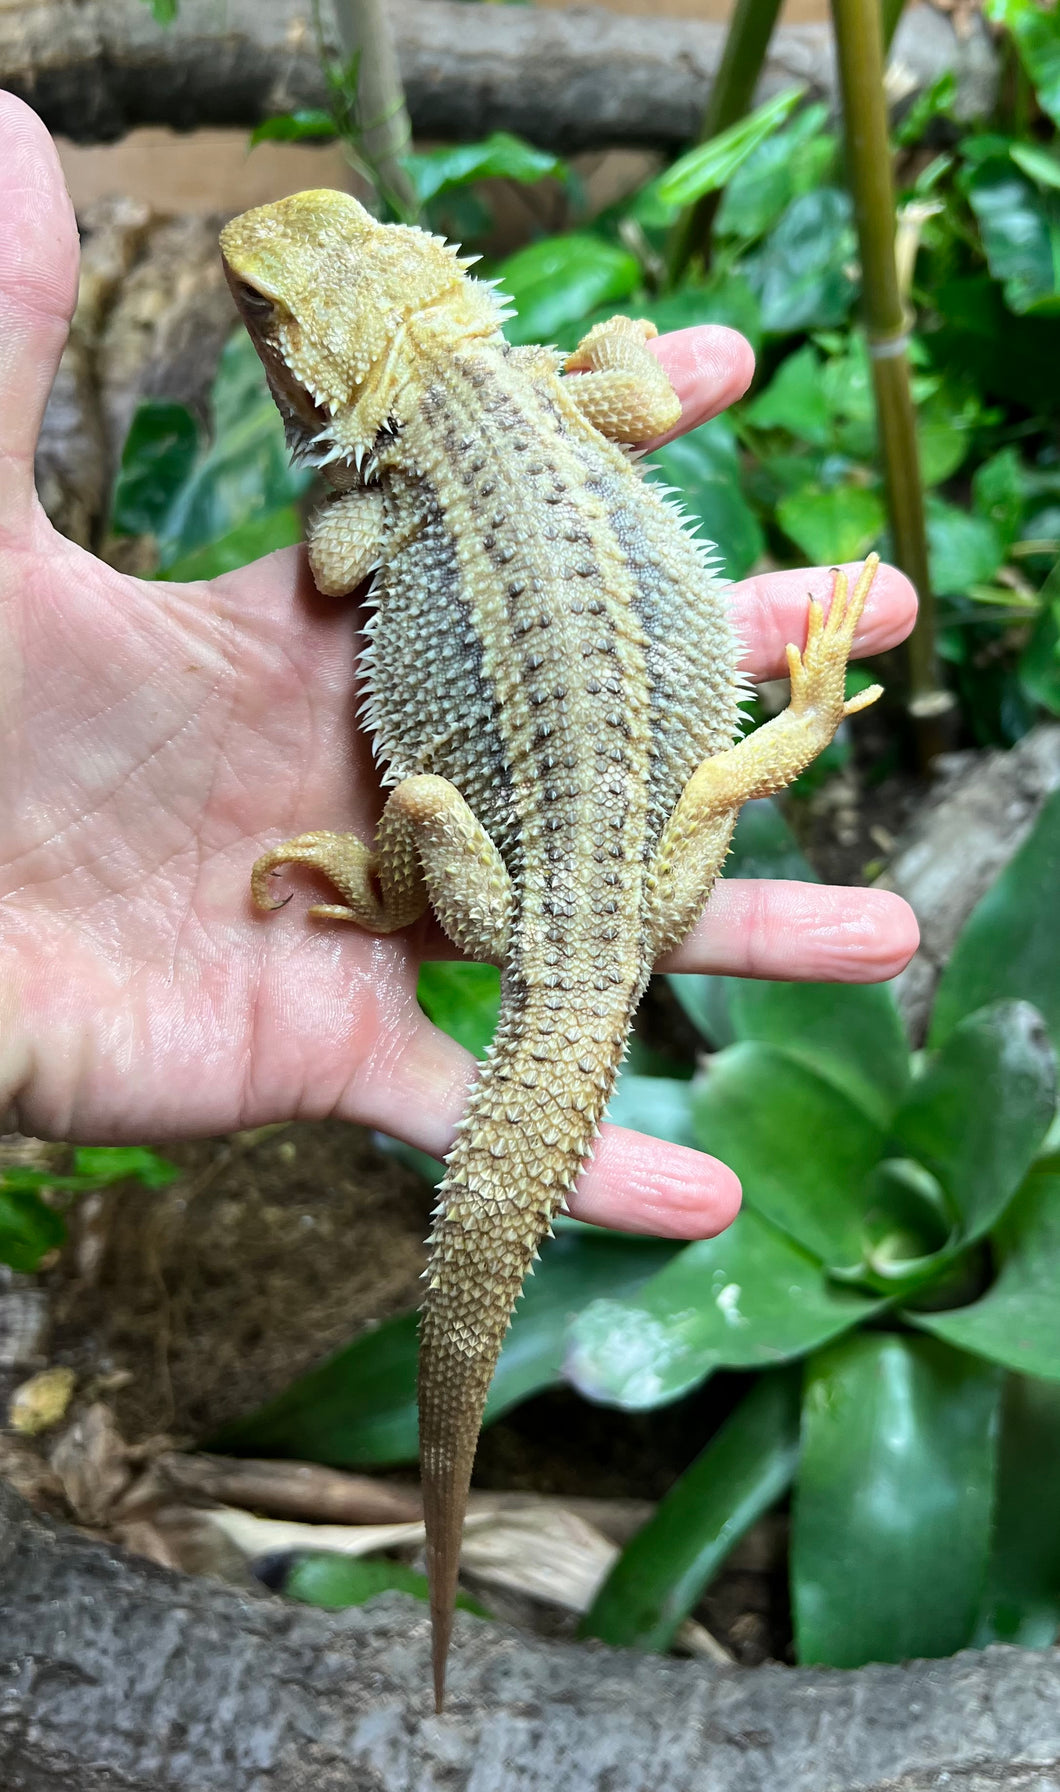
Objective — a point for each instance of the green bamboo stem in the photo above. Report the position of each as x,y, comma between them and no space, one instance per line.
859,49
890,13
385,132
746,43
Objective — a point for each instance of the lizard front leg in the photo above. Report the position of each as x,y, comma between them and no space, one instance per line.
621,388
696,838
345,540
429,848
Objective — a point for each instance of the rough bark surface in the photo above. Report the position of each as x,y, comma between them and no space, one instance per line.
568,80
119,1677
959,843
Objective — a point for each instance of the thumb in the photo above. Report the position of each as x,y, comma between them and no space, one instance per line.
38,290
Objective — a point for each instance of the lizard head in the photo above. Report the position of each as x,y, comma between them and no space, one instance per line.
332,300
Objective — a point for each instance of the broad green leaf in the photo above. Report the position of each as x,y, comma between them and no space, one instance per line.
101,1165
976,340
359,1407
458,164
749,1299
795,399
1036,30
1039,664
294,127
240,479
704,466
1022,1600
723,298
850,1034
164,11
28,1229
463,999
999,492
656,1105
963,550
833,525
979,1109
1039,163
801,1148
259,535
158,455
1017,1321
893,1500
803,270
791,162
945,426
709,165
1008,947
1020,227
556,282
333,1581
746,1467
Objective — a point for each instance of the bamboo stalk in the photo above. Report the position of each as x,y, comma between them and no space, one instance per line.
730,97
859,49
384,130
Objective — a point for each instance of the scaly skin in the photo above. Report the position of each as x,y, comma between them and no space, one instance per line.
552,688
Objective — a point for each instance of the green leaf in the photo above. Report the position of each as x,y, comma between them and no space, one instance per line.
28,1229
893,1499
1008,947
1017,1321
294,127
165,11
963,550
795,399
464,1000
945,424
803,272
832,525
708,166
556,282
103,1164
1020,228
975,339
999,492
791,162
1039,665
244,474
704,466
459,164
359,1407
1039,163
801,1148
1037,34
247,542
1022,1600
749,1299
333,1582
158,455
746,1467
656,1105
850,1034
980,1108
725,298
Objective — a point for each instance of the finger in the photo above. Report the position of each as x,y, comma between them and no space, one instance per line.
414,1086
38,290
770,612
809,933
709,367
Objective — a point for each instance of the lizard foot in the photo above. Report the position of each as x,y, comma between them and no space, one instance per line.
818,673
344,860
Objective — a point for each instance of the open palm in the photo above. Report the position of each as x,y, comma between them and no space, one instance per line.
158,736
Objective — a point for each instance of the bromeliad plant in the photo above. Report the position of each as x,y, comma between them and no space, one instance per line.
890,1284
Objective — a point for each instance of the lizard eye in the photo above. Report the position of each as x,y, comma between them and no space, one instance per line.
253,303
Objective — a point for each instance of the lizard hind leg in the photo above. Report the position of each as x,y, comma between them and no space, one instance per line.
429,847
695,840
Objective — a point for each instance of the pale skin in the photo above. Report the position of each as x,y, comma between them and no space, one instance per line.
160,733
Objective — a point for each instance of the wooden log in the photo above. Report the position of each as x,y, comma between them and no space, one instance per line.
568,80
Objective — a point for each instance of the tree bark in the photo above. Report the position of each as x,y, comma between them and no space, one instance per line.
116,1676
566,80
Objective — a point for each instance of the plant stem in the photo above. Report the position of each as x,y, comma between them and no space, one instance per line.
746,44
859,48
891,12
382,118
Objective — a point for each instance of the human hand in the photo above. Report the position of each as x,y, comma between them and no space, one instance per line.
159,736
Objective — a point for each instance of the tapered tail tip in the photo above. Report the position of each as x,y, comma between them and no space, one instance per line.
441,1630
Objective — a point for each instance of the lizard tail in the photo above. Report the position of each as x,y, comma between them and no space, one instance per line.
529,1126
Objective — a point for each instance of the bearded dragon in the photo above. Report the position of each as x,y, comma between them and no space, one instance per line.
551,683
